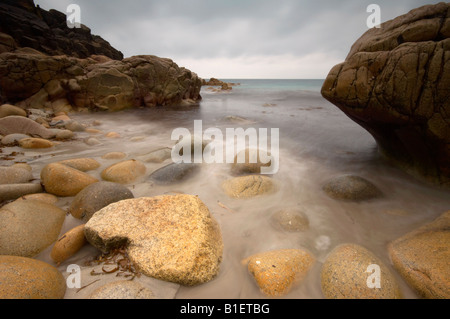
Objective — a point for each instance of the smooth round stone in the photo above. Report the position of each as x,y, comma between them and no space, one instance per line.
68,244
23,125
351,188
277,272
64,135
14,175
28,227
114,155
92,141
12,139
346,275
158,156
64,181
82,164
14,191
26,278
74,126
112,135
35,143
174,173
248,186
290,220
95,197
124,172
122,290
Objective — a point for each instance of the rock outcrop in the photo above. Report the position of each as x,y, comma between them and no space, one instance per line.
44,64
395,83
25,25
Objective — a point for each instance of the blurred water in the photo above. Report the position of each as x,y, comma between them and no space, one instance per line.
317,142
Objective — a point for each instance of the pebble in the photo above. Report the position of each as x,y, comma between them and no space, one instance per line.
114,155
290,220
248,186
35,143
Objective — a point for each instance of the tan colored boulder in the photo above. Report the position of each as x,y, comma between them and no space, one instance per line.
26,278
422,258
394,83
277,272
114,155
64,181
172,238
124,172
14,175
14,191
28,227
23,125
41,197
347,274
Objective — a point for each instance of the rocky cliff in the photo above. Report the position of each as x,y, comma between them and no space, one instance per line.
44,64
395,83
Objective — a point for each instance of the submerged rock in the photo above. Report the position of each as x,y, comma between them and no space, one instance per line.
351,188
345,275
422,258
248,186
290,220
97,196
28,227
172,238
174,173
394,83
277,272
250,161
26,278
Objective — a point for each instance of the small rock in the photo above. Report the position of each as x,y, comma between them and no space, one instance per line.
64,135
11,110
64,181
13,139
82,164
250,161
69,244
345,275
28,227
422,258
248,186
291,220
74,126
92,141
174,173
124,172
26,278
114,155
92,131
14,191
277,272
14,175
112,135
351,188
158,156
122,290
97,196
35,143
171,238
137,138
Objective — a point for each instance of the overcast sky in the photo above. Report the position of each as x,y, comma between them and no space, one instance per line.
232,39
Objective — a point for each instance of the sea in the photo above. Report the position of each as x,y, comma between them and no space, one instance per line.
317,142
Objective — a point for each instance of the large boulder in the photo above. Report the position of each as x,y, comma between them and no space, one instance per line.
422,258
394,83
172,238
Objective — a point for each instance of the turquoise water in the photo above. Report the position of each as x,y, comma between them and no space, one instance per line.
313,85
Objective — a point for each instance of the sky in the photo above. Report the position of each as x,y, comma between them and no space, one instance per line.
236,39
